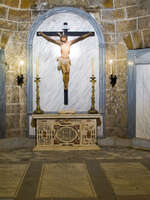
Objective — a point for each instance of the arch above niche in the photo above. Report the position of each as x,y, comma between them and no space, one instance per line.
59,10
101,45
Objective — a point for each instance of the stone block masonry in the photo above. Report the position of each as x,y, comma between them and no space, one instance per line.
125,24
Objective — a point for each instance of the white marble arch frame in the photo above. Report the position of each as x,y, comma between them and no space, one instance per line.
100,36
2,92
134,58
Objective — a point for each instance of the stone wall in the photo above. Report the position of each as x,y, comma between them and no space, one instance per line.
125,24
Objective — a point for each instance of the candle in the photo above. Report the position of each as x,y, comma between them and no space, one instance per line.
19,70
37,67
111,66
92,63
21,66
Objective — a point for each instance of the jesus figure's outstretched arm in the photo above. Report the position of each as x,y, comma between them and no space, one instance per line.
81,38
49,38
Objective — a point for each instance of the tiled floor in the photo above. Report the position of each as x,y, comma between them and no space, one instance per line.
106,174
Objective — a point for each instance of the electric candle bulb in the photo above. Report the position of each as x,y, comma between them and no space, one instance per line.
21,66
111,69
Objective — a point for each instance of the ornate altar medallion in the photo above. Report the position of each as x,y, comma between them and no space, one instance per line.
66,134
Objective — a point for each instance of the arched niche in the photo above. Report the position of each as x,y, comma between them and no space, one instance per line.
51,85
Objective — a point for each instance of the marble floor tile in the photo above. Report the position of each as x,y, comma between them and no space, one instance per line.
11,178
65,180
129,178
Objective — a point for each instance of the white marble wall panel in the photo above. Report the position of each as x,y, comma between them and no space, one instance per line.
51,85
143,101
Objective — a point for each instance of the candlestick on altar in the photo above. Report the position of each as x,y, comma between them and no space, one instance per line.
92,109
38,108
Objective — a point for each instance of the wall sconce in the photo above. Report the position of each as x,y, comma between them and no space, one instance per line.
112,77
20,77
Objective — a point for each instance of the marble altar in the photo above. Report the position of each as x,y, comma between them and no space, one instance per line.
65,129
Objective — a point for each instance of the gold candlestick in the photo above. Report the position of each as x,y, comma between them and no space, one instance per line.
93,110
38,108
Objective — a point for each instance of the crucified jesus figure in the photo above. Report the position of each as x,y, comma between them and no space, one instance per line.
64,60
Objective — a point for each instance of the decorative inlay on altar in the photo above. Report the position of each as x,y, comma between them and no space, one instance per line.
57,129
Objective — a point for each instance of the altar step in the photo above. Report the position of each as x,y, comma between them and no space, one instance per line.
66,147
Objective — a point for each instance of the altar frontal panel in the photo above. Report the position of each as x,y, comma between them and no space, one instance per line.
66,131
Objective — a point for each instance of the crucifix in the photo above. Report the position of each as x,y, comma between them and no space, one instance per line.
64,60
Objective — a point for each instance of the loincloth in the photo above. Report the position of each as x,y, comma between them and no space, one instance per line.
63,61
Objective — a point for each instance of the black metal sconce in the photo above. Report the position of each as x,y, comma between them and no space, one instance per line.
20,80
20,77
112,77
113,80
